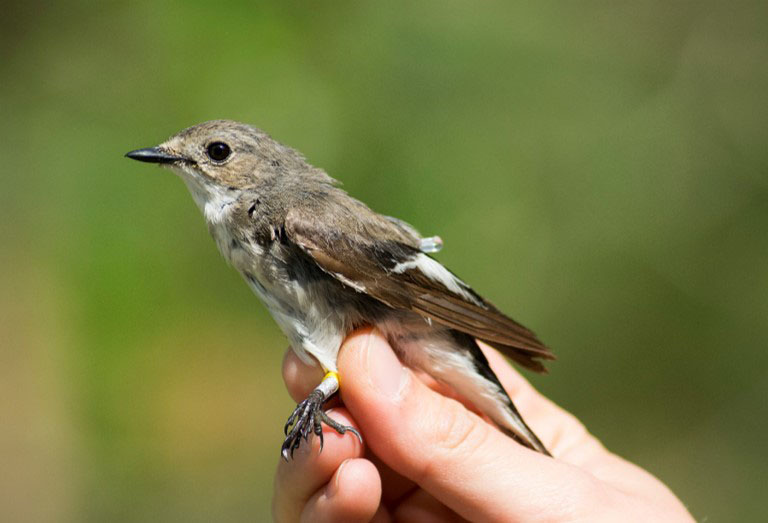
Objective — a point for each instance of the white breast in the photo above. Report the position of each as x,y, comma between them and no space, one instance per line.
314,328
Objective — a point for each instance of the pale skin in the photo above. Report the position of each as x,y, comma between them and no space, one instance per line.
428,457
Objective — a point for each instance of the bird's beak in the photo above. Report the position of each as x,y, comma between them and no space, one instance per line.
153,155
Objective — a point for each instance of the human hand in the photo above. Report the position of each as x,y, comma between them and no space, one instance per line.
429,457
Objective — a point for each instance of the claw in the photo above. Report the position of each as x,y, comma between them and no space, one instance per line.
354,431
290,419
338,427
318,430
307,418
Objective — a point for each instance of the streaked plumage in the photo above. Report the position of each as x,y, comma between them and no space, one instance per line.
324,264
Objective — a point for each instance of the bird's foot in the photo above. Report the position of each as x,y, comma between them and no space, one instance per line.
308,417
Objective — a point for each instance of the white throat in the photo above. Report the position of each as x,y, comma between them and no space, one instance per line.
214,201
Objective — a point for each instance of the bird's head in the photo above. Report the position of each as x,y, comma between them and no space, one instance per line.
223,154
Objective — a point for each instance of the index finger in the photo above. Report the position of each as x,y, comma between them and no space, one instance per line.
560,431
452,453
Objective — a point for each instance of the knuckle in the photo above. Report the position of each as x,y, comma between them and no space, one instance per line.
457,435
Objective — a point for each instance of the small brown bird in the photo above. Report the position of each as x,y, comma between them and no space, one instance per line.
325,264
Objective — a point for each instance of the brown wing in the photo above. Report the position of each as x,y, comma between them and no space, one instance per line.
371,255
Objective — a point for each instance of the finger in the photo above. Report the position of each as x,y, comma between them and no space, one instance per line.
300,377
563,435
352,494
394,486
297,480
423,507
570,441
460,459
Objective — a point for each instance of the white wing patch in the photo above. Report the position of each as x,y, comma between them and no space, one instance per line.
435,271
349,283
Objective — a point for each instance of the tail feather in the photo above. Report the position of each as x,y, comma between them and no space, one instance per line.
510,422
523,357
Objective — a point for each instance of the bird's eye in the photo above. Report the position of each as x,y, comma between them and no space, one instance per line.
218,151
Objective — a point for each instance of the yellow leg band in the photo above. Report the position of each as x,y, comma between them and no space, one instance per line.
331,374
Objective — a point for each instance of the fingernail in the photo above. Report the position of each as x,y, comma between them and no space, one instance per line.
387,374
333,486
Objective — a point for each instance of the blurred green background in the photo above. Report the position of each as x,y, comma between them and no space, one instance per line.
597,169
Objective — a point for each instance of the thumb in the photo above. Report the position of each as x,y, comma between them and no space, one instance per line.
436,442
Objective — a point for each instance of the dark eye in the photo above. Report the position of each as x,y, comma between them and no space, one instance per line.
218,151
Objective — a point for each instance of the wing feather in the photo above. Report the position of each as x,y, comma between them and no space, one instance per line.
377,258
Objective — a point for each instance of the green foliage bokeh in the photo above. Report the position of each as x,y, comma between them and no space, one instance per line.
598,170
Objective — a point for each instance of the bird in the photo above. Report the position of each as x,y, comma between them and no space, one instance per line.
324,264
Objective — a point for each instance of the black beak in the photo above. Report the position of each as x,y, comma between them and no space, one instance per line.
153,155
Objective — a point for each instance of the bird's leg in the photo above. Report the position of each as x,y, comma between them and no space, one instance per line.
309,414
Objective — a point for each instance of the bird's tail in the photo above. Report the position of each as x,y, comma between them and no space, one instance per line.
506,417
